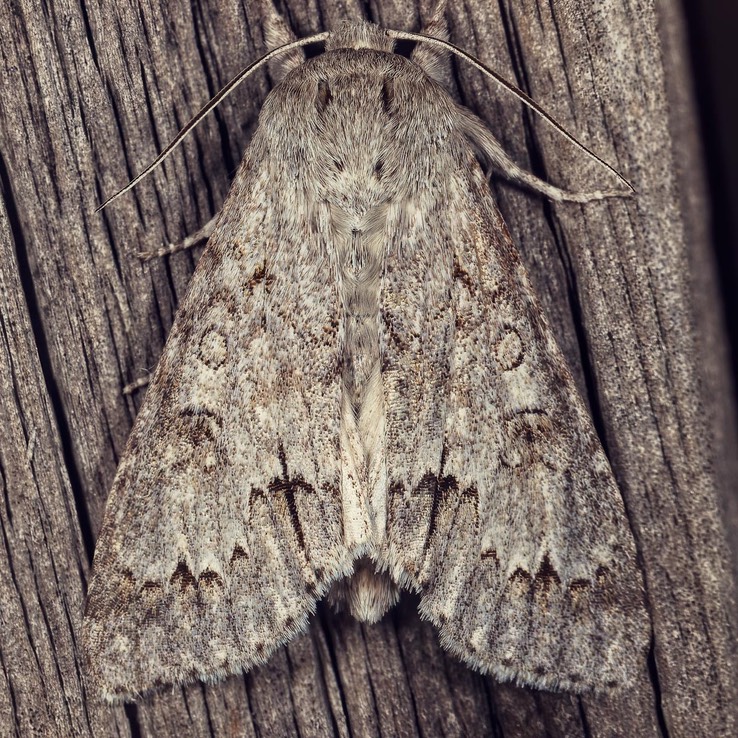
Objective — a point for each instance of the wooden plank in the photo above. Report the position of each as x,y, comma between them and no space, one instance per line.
92,93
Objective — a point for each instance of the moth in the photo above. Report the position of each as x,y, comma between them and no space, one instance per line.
360,394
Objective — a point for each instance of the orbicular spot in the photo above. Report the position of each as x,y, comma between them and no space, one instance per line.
323,96
213,349
509,350
182,578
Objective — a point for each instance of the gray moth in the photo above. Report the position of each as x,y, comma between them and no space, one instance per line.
360,394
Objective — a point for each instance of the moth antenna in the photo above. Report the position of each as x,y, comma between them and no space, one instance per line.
510,87
214,102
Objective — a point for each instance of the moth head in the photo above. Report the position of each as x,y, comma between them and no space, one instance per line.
359,35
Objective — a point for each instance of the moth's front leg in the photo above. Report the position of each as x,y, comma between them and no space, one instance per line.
196,239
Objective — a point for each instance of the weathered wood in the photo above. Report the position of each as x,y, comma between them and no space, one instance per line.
91,93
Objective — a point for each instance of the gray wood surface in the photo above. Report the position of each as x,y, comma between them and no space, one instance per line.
89,93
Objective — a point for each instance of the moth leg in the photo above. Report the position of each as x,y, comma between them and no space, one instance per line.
131,387
487,145
195,239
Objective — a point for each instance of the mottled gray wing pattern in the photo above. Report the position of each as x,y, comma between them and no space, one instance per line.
224,524
502,510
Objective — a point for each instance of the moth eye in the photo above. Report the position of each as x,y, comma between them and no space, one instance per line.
388,96
323,97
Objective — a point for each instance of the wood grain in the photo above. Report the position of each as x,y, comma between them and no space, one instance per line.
92,92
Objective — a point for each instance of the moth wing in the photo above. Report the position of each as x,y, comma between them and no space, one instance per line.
502,510
224,523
